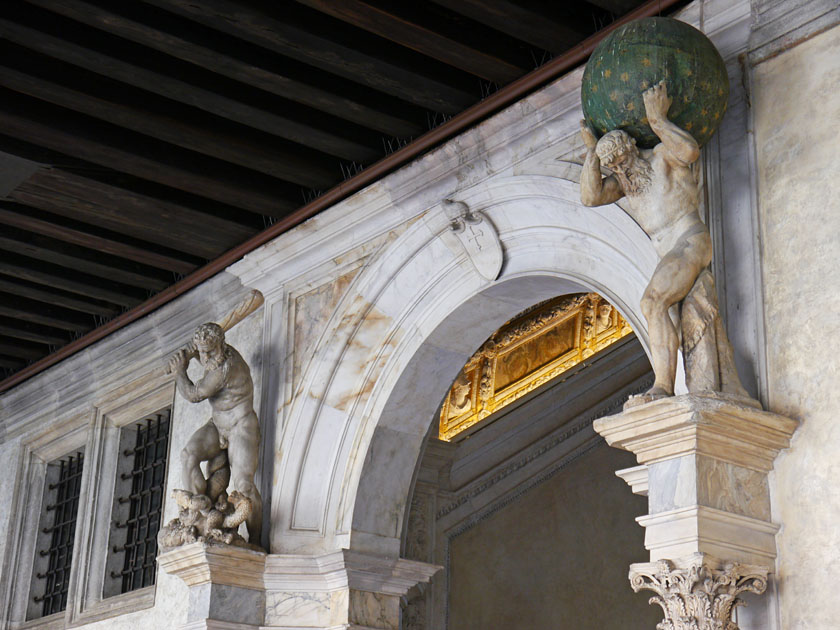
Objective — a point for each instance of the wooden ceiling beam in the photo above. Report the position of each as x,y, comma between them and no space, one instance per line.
300,170
12,347
518,21
28,331
286,38
82,284
113,208
288,80
11,363
419,38
616,7
55,296
46,314
83,259
215,143
91,236
153,163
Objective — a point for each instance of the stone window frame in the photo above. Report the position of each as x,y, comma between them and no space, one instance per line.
86,603
34,455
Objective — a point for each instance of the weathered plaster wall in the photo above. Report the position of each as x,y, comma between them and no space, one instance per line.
557,557
796,104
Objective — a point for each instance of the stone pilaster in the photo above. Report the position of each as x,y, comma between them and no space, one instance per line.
708,527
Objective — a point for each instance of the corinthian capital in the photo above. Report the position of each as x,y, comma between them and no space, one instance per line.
698,592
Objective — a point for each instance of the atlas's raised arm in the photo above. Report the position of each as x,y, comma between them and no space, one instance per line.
210,384
679,144
594,189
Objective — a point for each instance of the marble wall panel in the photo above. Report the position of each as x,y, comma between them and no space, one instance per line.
797,123
699,480
221,602
374,610
307,609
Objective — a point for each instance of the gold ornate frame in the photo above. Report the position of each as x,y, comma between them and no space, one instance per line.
528,351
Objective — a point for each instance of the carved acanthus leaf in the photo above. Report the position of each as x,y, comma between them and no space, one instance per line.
700,593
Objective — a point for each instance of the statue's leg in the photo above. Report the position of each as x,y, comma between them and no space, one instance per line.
671,281
202,445
243,454
218,475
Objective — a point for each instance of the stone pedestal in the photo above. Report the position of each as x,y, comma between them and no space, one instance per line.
226,585
238,589
706,459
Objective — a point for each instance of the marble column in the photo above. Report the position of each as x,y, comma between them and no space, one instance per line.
705,461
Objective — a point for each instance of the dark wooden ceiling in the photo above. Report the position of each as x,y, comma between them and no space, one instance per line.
139,140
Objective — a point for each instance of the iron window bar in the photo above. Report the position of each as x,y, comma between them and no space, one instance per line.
145,499
63,529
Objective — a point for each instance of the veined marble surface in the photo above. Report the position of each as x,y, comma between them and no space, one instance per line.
369,313
797,118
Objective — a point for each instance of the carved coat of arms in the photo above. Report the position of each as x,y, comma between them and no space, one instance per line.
477,236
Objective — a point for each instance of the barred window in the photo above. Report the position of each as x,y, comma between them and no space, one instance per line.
54,555
138,504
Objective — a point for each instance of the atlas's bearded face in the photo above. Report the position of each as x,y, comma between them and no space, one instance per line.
209,340
617,150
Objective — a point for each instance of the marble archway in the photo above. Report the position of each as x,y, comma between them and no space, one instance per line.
399,336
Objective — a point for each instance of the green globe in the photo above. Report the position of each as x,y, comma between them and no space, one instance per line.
637,56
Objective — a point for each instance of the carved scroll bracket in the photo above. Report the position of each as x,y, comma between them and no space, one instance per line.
698,592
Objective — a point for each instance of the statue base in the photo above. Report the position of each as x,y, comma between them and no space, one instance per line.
235,588
704,464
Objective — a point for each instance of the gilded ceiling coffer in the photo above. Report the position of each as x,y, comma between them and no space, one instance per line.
527,352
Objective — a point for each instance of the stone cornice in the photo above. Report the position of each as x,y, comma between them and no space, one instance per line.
217,564
715,426
384,575
343,569
294,572
732,536
636,477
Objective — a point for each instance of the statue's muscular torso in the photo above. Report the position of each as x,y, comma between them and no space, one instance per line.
666,209
234,400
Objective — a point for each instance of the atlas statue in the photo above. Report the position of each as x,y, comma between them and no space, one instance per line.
662,195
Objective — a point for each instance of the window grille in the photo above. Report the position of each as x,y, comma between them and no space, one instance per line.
62,498
145,483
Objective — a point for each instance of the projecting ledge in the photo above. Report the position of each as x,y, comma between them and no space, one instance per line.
727,429
199,563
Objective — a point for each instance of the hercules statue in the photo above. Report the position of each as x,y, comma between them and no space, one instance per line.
230,440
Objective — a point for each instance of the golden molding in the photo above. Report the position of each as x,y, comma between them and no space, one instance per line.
529,350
